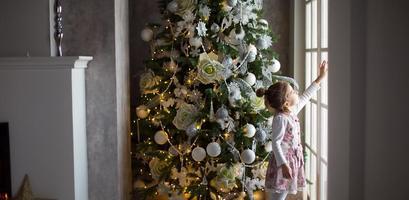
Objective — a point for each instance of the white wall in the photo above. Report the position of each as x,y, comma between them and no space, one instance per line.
368,87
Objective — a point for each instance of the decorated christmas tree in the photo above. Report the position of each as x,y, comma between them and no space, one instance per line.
200,131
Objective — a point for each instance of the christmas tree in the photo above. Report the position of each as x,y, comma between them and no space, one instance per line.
200,130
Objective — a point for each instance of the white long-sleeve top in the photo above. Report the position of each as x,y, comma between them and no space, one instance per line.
281,122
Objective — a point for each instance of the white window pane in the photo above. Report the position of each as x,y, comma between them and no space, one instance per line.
324,133
314,23
308,124
313,194
308,25
324,23
311,173
314,129
307,68
314,70
323,182
324,84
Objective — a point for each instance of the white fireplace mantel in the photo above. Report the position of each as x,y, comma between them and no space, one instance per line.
43,99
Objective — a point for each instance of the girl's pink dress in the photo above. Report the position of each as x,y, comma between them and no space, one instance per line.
287,148
291,145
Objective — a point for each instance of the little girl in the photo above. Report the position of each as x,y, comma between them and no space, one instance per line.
285,173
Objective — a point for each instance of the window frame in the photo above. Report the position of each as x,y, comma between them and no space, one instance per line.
298,54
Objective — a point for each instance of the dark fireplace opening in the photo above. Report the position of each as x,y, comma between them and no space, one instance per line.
5,173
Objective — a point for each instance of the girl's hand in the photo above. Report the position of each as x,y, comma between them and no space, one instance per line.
323,71
287,173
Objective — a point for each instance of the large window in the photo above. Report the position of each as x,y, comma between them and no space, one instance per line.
316,112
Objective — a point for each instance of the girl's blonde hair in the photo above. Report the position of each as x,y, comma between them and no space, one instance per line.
275,96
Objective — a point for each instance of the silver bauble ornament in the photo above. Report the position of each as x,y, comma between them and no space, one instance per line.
198,154
191,130
172,150
147,34
248,156
213,149
161,137
215,28
222,113
261,43
261,135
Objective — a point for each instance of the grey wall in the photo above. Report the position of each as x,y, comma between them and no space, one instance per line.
139,16
387,83
24,28
99,28
367,100
277,13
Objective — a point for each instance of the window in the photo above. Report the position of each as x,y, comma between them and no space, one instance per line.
316,112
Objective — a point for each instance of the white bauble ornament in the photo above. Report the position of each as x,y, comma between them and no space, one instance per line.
198,154
147,34
161,137
250,79
268,147
249,130
142,111
232,3
248,156
275,66
252,51
213,149
173,6
195,41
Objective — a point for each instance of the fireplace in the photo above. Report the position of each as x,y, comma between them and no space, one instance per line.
5,174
